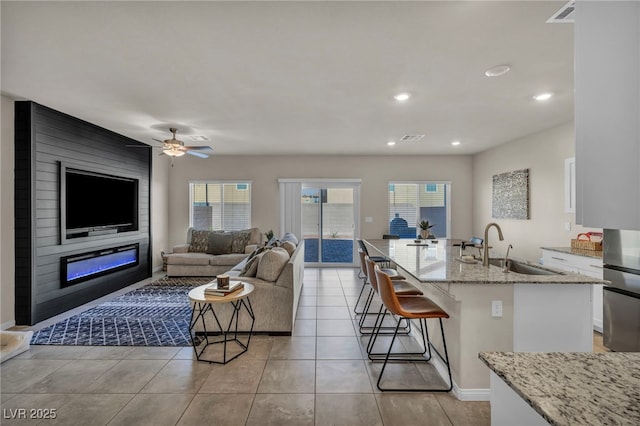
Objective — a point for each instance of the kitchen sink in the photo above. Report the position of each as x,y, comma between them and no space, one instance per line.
523,268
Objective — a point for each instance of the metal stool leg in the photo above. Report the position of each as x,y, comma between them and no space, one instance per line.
355,307
445,359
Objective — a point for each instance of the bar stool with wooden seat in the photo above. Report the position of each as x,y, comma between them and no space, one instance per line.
400,287
412,307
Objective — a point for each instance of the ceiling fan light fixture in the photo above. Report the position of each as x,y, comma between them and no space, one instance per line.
173,152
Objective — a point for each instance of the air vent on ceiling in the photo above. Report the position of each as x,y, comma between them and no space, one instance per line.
565,15
411,138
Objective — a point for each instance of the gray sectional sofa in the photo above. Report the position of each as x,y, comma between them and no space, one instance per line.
275,272
209,253
274,303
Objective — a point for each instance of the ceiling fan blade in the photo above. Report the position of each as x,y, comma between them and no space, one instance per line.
199,148
198,154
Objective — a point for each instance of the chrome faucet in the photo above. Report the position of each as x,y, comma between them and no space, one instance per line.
506,260
485,254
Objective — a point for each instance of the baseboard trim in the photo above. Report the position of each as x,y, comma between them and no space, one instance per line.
461,394
7,325
471,394
597,325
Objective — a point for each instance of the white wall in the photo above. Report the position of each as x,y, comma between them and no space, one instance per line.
7,223
543,154
160,200
375,172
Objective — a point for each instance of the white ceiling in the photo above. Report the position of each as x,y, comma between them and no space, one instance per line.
295,77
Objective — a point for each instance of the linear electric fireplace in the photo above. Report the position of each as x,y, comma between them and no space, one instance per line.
82,267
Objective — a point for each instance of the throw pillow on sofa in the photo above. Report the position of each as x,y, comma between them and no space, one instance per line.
258,251
289,237
240,241
251,267
255,236
219,243
289,246
271,264
199,241
273,242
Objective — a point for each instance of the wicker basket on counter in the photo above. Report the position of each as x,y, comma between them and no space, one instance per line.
583,242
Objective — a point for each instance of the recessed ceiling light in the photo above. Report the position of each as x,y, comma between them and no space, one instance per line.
402,97
497,71
543,96
455,143
391,143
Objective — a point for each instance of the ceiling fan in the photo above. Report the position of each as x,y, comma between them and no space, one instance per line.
176,148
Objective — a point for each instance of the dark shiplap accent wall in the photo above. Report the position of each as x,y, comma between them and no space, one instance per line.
43,139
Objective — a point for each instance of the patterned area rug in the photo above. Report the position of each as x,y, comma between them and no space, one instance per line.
157,314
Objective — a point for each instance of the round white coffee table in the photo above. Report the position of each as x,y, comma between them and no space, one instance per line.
203,304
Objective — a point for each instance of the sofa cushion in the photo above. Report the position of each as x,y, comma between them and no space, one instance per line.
188,259
255,235
199,241
289,237
289,246
271,264
251,268
219,243
239,241
273,242
259,250
229,259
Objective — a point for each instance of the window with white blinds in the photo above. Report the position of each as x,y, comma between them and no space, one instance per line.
412,202
218,205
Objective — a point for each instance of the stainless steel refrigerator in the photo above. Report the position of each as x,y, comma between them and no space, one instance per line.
621,299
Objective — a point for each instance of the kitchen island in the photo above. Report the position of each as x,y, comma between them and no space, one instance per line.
491,310
564,388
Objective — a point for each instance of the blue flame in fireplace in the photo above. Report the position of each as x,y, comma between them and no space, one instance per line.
81,268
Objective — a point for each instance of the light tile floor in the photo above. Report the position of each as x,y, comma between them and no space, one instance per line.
318,376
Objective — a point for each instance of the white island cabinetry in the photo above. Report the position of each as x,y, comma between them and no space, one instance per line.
580,262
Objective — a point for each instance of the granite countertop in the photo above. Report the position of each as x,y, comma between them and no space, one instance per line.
440,262
574,388
578,252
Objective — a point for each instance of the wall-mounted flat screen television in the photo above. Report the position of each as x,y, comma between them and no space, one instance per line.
93,203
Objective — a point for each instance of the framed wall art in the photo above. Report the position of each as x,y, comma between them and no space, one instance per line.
510,198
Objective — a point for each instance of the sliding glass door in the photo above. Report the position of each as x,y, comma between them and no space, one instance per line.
329,222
